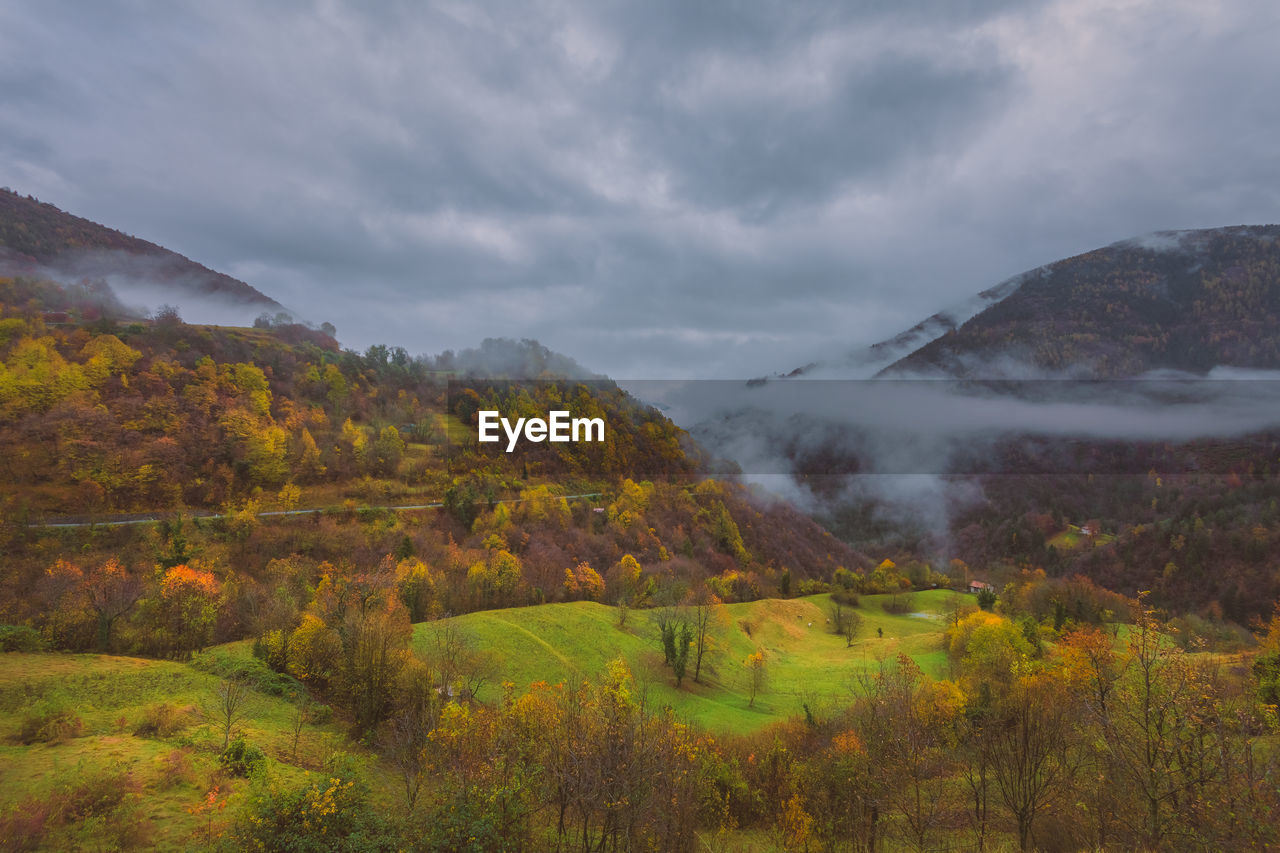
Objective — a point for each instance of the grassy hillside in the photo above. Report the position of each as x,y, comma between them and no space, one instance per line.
104,775
806,662
109,776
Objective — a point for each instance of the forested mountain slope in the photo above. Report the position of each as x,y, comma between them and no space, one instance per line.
1181,300
38,238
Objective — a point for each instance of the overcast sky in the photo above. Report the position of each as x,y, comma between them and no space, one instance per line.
679,189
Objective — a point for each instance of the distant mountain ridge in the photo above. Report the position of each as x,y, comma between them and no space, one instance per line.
38,238
1174,300
996,474
1188,300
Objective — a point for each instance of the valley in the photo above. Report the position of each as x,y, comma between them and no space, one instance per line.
263,592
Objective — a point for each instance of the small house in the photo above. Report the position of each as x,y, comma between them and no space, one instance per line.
979,586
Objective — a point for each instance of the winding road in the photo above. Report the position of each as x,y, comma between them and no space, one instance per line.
122,519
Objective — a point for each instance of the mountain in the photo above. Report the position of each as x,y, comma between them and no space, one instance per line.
244,428
1178,300
38,239
1157,430
867,362
1175,300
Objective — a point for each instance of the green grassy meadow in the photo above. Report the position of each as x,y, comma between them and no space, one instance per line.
807,663
172,772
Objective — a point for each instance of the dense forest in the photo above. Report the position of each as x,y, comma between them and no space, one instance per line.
158,416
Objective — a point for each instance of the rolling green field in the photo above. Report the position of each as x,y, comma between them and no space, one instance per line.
807,663
169,773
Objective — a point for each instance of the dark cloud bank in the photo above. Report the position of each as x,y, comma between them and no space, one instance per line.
657,190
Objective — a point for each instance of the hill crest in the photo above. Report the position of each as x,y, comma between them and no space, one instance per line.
37,238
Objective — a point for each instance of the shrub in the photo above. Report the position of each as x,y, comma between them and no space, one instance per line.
987,599
811,586
23,825
1196,633
176,769
250,670
95,794
464,824
103,803
899,603
20,638
50,721
161,720
241,758
846,597
329,815
272,649
105,807
319,714
846,580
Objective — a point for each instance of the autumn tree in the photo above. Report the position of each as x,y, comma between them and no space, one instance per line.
705,614
404,737
845,621
1163,731
67,621
906,722
416,586
677,637
186,609
1031,748
388,449
988,648
583,582
375,641
618,777
624,581
757,665
460,668
306,462
1089,666
111,592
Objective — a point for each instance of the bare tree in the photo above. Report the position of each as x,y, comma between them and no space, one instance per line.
301,716
1163,731
845,621
111,593
912,763
703,617
975,769
232,703
404,740
457,663
1030,750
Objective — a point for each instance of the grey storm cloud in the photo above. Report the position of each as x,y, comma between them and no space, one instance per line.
655,189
